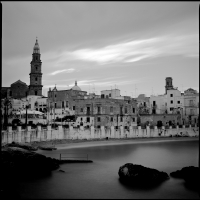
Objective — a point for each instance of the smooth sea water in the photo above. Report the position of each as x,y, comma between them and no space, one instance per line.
100,179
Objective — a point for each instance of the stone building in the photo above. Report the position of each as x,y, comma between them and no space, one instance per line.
18,89
105,112
60,102
91,111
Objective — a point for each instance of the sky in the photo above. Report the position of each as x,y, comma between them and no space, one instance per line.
131,46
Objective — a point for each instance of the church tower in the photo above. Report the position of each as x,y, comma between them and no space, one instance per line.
35,87
169,84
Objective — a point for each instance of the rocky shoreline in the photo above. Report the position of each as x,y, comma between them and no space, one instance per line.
20,161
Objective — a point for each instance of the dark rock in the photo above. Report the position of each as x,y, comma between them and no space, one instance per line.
60,170
140,175
189,174
22,145
23,161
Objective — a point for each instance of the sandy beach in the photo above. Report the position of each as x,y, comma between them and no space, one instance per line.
68,144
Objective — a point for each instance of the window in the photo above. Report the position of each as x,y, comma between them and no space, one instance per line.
55,95
121,119
171,109
109,95
88,110
125,110
165,104
55,104
171,95
36,68
154,103
178,102
10,93
111,119
74,107
81,109
63,105
133,110
98,109
98,119
144,103
171,102
133,119
35,92
66,104
88,119
121,110
35,78
35,58
111,109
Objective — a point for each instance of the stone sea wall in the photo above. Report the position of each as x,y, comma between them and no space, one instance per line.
39,134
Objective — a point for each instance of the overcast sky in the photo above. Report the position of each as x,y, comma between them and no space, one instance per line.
133,46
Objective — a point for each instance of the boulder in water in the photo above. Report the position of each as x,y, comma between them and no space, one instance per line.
140,175
189,174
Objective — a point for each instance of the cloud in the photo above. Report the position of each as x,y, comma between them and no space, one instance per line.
136,50
64,70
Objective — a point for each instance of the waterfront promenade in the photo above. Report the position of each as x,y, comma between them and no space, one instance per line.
86,134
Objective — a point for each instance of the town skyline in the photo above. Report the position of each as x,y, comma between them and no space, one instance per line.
103,45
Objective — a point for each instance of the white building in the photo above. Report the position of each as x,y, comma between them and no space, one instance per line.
113,94
174,101
158,104
191,106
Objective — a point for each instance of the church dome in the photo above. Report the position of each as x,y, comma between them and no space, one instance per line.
76,87
36,48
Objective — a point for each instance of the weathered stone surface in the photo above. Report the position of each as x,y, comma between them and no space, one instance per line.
140,175
22,145
189,174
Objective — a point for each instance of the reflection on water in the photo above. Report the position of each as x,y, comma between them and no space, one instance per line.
100,179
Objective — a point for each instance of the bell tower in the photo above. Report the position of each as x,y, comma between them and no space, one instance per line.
168,85
35,87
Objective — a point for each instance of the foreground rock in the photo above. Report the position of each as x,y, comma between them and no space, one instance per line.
18,163
140,175
189,174
22,145
15,159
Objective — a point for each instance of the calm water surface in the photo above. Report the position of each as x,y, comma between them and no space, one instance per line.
100,179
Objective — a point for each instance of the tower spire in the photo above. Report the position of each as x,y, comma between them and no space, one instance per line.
36,48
